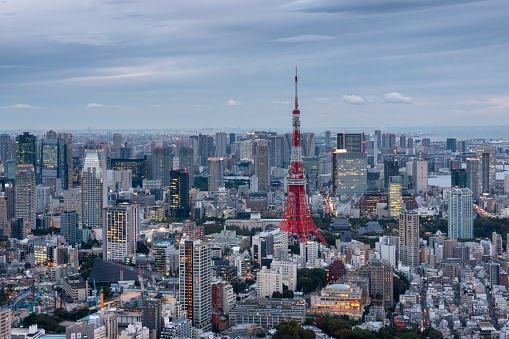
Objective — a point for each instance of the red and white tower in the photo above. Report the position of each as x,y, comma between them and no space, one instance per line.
297,219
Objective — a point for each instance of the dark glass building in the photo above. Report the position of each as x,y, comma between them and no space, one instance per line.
138,169
179,194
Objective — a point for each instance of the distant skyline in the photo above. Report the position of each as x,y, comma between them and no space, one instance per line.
133,64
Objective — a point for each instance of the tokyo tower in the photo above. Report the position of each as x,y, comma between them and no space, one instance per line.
297,219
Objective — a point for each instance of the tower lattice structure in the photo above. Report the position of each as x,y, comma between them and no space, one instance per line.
297,219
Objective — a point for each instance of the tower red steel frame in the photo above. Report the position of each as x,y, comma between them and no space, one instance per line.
297,219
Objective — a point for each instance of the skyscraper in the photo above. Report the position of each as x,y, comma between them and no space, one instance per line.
473,181
152,316
328,143
69,227
117,144
402,141
262,163
179,194
451,144
161,164
220,144
25,149
92,190
460,214
308,144
409,238
352,142
395,196
215,174
487,167
350,172
277,151
459,177
186,162
195,282
120,231
54,162
391,169
5,145
205,148
138,167
421,178
25,200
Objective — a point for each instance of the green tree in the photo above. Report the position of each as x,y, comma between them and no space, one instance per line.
288,294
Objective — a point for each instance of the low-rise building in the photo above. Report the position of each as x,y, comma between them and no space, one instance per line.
268,312
339,300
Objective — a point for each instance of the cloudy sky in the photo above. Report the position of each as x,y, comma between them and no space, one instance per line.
230,63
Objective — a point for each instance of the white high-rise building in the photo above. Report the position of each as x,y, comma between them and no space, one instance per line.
195,276
220,144
43,198
268,281
25,194
309,253
460,214
288,271
409,238
120,231
92,190
388,247
421,180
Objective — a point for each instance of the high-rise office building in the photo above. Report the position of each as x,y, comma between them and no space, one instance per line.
262,163
166,259
487,167
352,142
288,272
451,144
25,149
395,196
350,172
92,190
460,214
117,144
215,174
186,162
161,164
220,144
72,200
462,146
459,177
421,177
473,177
328,141
25,194
277,151
195,282
69,227
205,148
5,147
179,194
138,168
54,162
410,143
308,144
391,169
120,231
409,238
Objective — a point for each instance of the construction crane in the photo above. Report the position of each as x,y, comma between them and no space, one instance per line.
153,279
96,296
140,278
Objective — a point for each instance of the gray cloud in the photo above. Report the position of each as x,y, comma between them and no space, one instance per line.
389,98
94,105
86,39
22,106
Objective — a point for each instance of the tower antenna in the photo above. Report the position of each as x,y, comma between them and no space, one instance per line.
296,96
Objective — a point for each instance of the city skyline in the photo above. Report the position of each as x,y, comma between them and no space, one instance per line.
132,64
